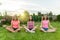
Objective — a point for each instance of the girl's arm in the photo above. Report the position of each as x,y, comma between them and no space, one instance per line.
33,23
27,24
19,23
50,25
11,23
41,25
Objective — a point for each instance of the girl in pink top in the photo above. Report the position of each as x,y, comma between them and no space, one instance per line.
15,25
30,25
45,25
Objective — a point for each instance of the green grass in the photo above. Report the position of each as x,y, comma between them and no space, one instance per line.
22,35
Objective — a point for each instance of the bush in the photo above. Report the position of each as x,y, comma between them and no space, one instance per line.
58,17
1,17
8,19
24,17
50,18
39,18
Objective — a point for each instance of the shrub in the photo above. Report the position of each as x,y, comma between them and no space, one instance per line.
58,17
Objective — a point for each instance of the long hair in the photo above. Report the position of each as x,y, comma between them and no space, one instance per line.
13,18
43,18
31,18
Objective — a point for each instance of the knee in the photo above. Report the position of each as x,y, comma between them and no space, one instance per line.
41,28
18,29
7,28
54,29
35,27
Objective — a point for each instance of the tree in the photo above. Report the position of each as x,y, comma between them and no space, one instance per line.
58,17
50,16
35,17
24,17
39,13
5,14
39,16
0,14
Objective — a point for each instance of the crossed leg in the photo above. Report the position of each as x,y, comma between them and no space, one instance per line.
32,31
49,30
9,28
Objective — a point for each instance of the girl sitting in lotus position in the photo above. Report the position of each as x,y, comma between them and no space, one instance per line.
15,25
45,24
30,26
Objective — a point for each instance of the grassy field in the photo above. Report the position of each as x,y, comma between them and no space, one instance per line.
22,35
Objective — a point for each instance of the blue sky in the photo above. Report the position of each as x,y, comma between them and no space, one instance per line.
32,6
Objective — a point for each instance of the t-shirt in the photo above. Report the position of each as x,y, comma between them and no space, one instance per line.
15,24
45,23
30,24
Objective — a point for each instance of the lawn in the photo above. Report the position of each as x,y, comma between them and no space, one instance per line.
22,35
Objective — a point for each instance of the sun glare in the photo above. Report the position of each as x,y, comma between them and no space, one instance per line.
22,14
